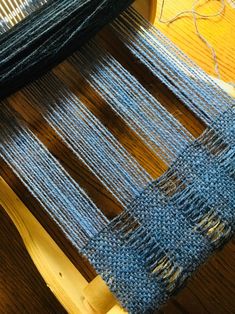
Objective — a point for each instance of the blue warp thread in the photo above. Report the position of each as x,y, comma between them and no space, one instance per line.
169,64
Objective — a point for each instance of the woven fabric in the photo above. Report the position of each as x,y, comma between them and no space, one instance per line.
146,254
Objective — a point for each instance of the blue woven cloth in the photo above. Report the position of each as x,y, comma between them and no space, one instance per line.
146,254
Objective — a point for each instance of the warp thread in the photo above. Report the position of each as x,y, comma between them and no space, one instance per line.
61,197
88,138
163,134
169,64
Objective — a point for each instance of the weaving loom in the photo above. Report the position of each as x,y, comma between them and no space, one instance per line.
100,123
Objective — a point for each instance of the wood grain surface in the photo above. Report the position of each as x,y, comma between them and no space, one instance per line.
218,31
212,290
22,289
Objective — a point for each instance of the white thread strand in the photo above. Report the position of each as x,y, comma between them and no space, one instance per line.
88,138
61,197
128,98
195,15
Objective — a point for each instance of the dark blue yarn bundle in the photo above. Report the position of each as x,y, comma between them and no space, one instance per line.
48,36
